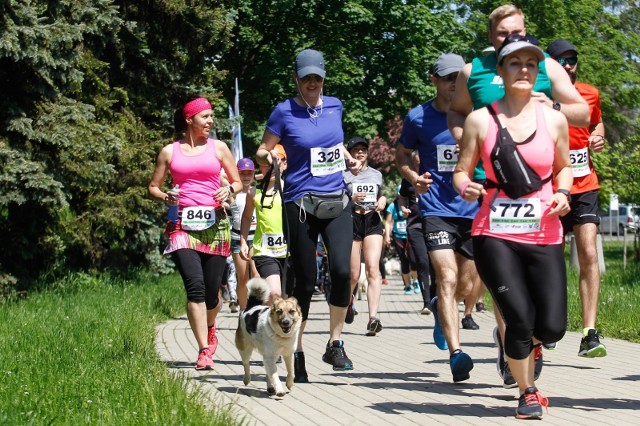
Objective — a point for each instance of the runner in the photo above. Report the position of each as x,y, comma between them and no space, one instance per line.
517,235
446,217
583,219
199,240
243,267
367,201
309,126
479,85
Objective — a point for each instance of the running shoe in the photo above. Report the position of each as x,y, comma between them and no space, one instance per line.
233,306
502,365
425,310
538,359
337,357
299,368
205,362
530,404
590,345
350,313
550,346
212,339
469,324
461,365
438,337
408,290
416,287
480,307
374,326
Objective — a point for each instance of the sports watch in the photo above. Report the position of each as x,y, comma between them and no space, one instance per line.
556,105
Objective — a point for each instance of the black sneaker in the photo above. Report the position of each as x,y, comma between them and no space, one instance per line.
530,404
348,319
374,326
299,369
469,324
590,345
538,359
336,356
502,366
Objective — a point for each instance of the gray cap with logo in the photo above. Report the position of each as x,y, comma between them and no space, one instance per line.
310,61
448,63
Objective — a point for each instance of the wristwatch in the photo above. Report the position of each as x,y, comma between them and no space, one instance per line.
556,105
230,189
566,193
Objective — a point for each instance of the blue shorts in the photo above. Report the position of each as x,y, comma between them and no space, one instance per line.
235,246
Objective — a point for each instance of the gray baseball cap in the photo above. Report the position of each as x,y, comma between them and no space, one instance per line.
517,46
448,63
310,61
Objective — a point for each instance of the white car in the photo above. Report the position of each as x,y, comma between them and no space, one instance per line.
626,217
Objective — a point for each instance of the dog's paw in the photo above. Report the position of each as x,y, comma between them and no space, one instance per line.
271,390
281,393
246,380
289,382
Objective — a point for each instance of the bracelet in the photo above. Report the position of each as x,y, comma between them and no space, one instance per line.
463,188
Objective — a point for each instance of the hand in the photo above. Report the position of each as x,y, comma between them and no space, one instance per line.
387,242
473,191
221,194
596,142
542,98
381,204
171,198
244,251
405,211
353,165
423,183
559,203
358,197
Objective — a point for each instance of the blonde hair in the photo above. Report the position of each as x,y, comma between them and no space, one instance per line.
502,12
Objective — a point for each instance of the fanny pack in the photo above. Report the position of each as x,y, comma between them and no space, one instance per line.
324,206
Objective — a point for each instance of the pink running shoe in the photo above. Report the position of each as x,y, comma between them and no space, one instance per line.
205,362
212,339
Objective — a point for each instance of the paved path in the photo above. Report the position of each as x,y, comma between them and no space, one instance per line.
401,378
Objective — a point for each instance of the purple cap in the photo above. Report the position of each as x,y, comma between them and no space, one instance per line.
246,164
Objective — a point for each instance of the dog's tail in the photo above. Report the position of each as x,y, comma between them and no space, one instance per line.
259,291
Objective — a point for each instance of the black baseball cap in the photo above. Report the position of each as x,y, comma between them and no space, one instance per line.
357,140
560,46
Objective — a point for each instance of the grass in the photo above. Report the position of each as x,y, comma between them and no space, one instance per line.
618,315
82,352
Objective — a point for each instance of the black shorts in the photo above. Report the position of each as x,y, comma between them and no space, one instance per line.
366,224
268,266
448,233
584,209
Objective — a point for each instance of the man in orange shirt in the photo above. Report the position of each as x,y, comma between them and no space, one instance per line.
583,219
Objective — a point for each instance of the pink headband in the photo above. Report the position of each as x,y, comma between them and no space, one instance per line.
195,106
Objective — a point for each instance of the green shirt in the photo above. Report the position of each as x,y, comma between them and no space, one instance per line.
269,238
486,87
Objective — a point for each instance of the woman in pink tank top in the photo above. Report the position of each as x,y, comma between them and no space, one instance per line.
199,240
517,242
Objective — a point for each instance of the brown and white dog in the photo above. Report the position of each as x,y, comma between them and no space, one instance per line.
272,330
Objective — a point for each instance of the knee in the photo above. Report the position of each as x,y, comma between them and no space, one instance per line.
195,290
551,333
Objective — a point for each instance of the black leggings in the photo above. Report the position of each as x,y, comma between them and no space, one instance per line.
407,260
529,284
201,274
418,248
337,235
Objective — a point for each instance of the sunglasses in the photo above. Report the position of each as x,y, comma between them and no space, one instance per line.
572,60
449,77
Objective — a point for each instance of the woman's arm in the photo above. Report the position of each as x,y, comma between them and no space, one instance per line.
159,175
245,223
264,155
230,168
562,173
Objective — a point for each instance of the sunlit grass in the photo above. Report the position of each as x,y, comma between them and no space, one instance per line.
83,353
